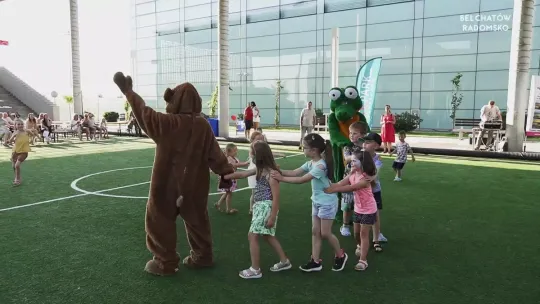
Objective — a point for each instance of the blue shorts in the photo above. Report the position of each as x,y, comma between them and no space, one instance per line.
325,212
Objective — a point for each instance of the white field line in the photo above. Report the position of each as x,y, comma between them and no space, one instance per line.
107,190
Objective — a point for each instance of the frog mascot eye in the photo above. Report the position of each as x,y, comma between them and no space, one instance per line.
334,94
351,93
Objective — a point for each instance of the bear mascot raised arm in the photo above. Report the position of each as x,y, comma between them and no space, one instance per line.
185,145
345,105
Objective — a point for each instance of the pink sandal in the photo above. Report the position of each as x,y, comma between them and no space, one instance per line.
361,266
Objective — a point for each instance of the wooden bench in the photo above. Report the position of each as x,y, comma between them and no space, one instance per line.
318,127
465,124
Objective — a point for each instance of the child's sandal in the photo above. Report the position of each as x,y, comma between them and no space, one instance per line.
378,247
16,183
232,211
361,266
250,273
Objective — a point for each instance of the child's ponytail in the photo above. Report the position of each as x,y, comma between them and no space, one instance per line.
328,158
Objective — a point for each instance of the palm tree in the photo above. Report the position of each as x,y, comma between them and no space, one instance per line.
69,101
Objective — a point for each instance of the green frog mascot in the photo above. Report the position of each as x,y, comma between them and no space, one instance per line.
345,105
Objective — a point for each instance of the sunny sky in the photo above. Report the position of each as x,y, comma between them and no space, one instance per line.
39,46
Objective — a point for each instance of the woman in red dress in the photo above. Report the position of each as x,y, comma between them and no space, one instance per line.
388,133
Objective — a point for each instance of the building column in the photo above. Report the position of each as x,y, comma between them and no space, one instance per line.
75,58
518,78
223,67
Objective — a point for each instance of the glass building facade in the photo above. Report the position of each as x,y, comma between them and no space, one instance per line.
424,44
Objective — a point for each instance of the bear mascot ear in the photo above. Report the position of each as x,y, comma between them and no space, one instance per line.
168,95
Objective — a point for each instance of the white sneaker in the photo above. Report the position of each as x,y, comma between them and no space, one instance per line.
397,179
382,238
345,231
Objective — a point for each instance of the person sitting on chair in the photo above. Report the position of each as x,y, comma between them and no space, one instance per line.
488,113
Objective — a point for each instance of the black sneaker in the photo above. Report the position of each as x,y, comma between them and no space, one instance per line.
339,263
312,266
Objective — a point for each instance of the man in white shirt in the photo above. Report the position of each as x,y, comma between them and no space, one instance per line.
307,121
489,112
5,133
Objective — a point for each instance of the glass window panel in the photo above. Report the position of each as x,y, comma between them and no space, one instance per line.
198,76
195,2
450,45
147,90
146,20
392,30
297,56
418,43
146,32
261,87
145,79
198,50
297,71
198,37
234,6
349,68
199,11
168,41
483,97
303,8
295,40
168,17
389,13
351,34
492,80
146,43
389,49
419,9
264,101
165,5
442,81
393,83
169,28
262,59
463,63
417,65
265,14
145,8
347,52
300,24
490,5
494,42
494,61
146,67
345,18
263,28
536,37
396,100
264,73
416,82
440,119
442,100
263,43
146,55
535,59
235,32
396,66
536,16
197,24
300,85
434,8
415,100
257,4
418,28
234,19
448,25
343,5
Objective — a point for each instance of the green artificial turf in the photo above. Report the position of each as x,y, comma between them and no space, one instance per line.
459,231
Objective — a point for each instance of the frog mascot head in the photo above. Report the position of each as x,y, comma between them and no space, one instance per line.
345,105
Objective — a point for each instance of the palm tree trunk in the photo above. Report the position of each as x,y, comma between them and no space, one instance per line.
520,59
223,69
75,59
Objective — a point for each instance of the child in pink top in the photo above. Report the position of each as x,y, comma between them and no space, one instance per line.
365,206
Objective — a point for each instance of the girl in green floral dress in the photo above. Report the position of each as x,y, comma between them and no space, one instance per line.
265,210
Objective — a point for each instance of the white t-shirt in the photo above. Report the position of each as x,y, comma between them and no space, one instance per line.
402,148
308,117
488,113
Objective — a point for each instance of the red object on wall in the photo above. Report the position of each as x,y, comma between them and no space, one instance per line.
4,42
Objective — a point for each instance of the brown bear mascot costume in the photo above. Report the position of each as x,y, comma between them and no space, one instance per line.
180,184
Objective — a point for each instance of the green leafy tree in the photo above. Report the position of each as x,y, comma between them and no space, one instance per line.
127,108
69,100
213,102
457,97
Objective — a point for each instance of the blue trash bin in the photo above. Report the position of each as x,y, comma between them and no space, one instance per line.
214,123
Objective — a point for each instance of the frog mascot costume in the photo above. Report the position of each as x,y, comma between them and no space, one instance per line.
345,105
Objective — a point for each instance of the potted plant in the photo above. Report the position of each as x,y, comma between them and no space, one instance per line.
319,117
